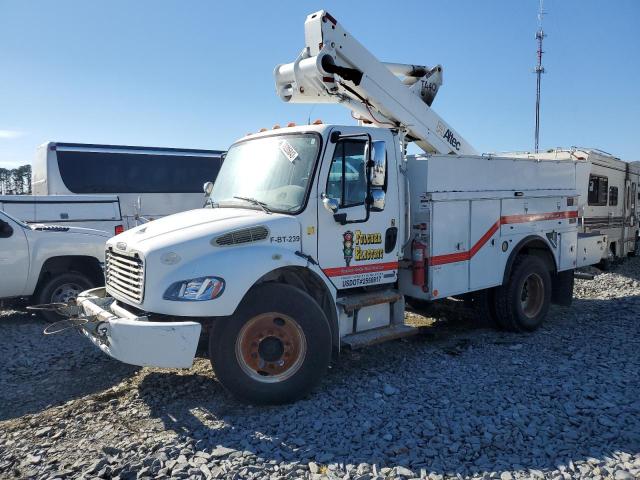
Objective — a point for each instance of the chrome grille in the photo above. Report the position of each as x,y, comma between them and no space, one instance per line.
124,274
246,235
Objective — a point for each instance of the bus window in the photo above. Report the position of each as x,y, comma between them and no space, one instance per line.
597,190
613,196
120,172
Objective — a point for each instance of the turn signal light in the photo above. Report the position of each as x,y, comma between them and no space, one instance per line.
118,229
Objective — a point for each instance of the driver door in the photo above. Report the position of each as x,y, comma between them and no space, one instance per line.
14,258
362,251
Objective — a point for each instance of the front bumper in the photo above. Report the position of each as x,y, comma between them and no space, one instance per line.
133,339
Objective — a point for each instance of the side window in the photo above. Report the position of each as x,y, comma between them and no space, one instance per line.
347,181
597,190
613,196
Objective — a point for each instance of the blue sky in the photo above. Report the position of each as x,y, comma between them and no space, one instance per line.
198,74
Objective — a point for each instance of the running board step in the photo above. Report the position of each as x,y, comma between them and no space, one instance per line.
378,335
355,302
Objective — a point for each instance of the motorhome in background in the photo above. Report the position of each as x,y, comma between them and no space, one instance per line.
608,200
99,212
150,182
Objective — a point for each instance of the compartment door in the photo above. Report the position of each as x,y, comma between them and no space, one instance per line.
484,270
448,261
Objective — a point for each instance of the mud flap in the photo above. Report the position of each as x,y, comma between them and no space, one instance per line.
562,288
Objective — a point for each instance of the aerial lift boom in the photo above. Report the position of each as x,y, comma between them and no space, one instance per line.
335,68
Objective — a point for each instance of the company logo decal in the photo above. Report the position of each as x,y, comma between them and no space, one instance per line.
448,135
356,245
347,246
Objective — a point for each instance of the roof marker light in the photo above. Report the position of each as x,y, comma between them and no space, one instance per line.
317,122
291,124
275,127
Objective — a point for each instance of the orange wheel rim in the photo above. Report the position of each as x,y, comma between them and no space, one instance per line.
271,347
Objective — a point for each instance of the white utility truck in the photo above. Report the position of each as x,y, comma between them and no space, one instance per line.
314,235
48,263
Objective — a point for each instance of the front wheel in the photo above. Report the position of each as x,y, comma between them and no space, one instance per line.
274,348
522,303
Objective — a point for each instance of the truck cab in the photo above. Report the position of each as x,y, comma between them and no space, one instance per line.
298,213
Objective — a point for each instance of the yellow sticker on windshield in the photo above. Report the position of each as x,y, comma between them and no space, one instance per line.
287,149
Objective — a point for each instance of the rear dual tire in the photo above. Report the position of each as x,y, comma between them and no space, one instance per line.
521,304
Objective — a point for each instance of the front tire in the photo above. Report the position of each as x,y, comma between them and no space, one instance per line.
61,288
274,348
522,303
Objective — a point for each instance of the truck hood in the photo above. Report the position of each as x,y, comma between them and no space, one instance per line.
203,222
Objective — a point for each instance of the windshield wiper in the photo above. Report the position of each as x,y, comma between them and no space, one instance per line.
262,205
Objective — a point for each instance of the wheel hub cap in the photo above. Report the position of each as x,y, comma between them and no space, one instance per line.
66,292
271,347
532,295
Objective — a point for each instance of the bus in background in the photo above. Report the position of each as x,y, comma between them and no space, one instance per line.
151,182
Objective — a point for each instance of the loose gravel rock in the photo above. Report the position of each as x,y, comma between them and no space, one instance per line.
460,401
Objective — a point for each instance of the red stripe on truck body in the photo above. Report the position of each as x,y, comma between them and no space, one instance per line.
504,220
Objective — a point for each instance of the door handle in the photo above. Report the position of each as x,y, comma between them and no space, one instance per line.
390,239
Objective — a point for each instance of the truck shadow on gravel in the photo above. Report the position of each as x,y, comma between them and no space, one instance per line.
460,399
40,371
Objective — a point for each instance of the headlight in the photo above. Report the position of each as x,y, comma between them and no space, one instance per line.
196,289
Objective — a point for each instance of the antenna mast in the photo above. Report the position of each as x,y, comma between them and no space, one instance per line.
539,71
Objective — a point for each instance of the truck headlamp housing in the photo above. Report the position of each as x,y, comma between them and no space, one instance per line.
195,290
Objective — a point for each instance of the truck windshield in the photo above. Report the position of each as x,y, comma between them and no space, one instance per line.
274,171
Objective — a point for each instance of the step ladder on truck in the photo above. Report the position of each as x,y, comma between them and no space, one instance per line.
314,236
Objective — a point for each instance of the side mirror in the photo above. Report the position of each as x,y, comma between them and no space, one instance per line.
330,204
5,229
377,200
378,163
207,188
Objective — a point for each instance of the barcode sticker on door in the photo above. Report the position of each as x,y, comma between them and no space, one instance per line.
287,149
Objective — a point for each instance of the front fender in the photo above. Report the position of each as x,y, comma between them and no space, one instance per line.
240,267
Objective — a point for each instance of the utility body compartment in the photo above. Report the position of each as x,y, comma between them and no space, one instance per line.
591,248
473,213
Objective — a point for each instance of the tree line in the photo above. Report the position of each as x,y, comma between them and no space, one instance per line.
15,181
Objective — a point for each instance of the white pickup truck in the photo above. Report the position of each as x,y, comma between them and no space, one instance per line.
48,263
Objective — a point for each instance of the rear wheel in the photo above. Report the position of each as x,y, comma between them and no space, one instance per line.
483,302
274,348
522,303
61,288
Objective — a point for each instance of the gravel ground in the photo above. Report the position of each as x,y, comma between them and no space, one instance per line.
460,401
